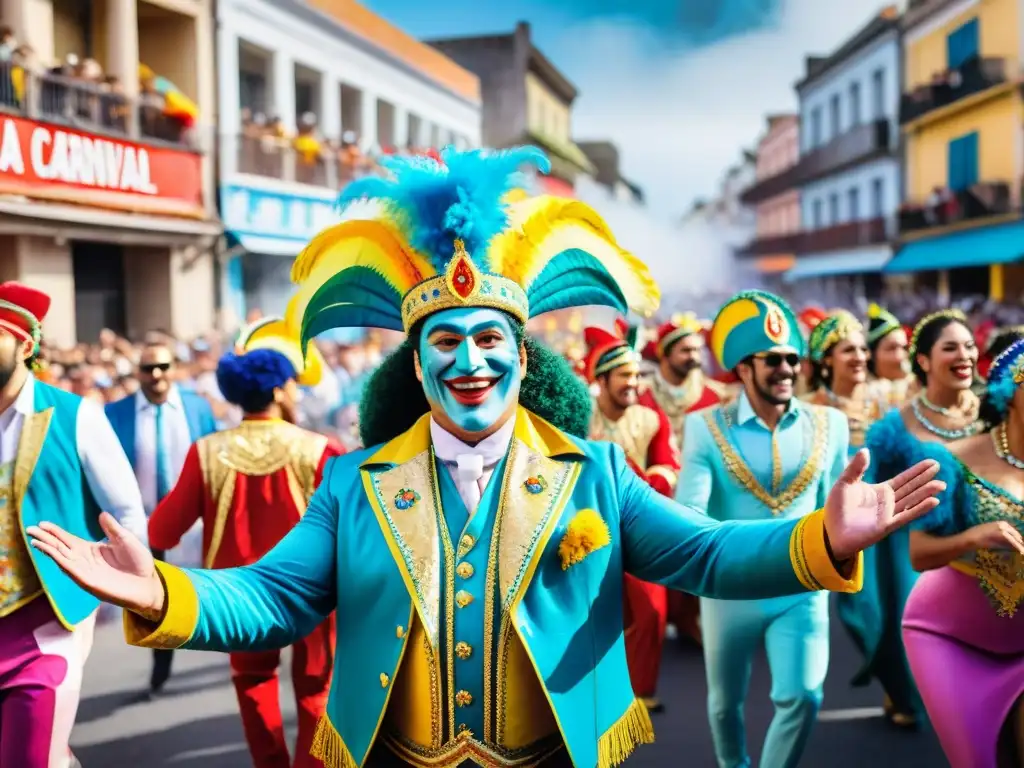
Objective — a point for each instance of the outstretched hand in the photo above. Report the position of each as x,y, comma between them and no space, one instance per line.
119,570
859,514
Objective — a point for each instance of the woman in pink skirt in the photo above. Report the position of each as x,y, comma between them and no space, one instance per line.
963,625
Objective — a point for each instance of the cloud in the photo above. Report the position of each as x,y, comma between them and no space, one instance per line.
680,118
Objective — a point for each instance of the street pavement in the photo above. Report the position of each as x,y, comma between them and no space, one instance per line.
196,724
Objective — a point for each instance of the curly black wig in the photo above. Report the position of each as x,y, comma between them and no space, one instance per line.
393,399
249,380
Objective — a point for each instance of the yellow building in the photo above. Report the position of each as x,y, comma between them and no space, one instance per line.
961,113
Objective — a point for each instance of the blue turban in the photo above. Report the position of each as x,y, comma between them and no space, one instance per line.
249,380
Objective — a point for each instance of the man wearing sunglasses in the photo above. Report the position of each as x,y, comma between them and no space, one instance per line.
765,456
156,426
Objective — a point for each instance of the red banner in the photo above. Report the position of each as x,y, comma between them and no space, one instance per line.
50,162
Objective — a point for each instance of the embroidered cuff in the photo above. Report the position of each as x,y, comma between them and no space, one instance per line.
665,472
179,621
811,560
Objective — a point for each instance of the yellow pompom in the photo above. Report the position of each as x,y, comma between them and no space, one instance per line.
587,532
874,311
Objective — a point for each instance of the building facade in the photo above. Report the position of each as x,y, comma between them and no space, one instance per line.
311,95
106,180
526,100
849,168
775,201
604,156
961,114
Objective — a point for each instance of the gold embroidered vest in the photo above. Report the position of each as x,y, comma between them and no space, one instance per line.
19,583
633,432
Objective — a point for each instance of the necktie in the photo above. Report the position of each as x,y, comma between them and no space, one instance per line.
163,469
469,469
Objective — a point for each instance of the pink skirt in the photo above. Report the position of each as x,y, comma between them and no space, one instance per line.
968,663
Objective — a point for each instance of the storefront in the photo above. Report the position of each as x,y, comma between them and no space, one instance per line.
116,231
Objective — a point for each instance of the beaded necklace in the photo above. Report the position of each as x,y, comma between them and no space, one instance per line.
1001,443
969,429
970,411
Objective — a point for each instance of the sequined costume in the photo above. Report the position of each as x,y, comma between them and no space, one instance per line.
735,467
963,626
250,486
645,436
491,634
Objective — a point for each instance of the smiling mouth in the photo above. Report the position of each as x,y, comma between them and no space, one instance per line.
471,390
963,371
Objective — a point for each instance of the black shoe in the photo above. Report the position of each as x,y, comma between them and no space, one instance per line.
653,704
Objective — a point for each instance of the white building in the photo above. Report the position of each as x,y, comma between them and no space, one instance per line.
344,85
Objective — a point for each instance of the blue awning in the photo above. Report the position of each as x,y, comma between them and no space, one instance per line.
838,263
1002,244
271,246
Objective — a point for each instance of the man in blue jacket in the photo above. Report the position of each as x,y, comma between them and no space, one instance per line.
156,427
475,553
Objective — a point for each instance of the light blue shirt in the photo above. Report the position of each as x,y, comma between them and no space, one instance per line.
737,468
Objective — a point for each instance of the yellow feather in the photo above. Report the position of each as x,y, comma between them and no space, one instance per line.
278,335
542,227
392,256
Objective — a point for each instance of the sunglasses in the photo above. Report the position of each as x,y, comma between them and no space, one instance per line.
163,367
775,359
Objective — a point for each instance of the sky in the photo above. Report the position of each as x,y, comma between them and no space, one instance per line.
681,87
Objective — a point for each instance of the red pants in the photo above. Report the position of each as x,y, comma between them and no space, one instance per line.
646,608
255,677
684,612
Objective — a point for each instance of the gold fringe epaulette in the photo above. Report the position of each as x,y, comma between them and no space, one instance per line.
619,741
329,748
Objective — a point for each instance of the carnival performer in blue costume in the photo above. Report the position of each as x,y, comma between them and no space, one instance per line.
768,456
943,356
962,626
475,552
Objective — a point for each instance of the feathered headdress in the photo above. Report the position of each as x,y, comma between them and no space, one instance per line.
456,233
274,333
1005,375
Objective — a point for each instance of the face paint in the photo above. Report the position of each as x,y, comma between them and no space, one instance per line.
470,363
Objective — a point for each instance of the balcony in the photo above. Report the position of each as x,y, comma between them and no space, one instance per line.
317,162
771,186
853,234
945,207
771,245
95,107
949,87
860,144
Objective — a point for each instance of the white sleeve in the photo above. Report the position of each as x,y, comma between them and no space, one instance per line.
108,471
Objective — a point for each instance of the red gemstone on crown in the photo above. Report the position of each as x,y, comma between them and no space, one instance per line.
462,278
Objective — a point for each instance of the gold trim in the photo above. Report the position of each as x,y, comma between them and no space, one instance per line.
224,494
30,446
618,742
334,740
743,475
181,614
660,470
465,748
329,748
812,563
450,596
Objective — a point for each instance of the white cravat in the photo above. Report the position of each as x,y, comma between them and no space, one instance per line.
471,466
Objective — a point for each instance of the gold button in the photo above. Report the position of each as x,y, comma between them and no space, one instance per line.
399,631
463,598
463,698
463,728
465,570
384,680
463,650
467,542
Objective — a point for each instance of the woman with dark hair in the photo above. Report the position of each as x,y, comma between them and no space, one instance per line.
839,373
889,364
943,357
962,627
999,341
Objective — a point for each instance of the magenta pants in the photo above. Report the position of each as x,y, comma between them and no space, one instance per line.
41,667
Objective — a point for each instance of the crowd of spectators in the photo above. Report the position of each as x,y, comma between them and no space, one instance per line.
77,91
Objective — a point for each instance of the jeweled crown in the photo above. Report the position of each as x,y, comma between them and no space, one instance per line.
463,285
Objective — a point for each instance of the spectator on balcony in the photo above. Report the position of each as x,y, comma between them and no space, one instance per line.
113,104
8,43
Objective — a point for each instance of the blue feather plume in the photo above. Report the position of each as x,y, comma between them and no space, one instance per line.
460,198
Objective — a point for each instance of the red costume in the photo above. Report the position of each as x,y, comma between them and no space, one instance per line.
696,393
644,433
250,486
